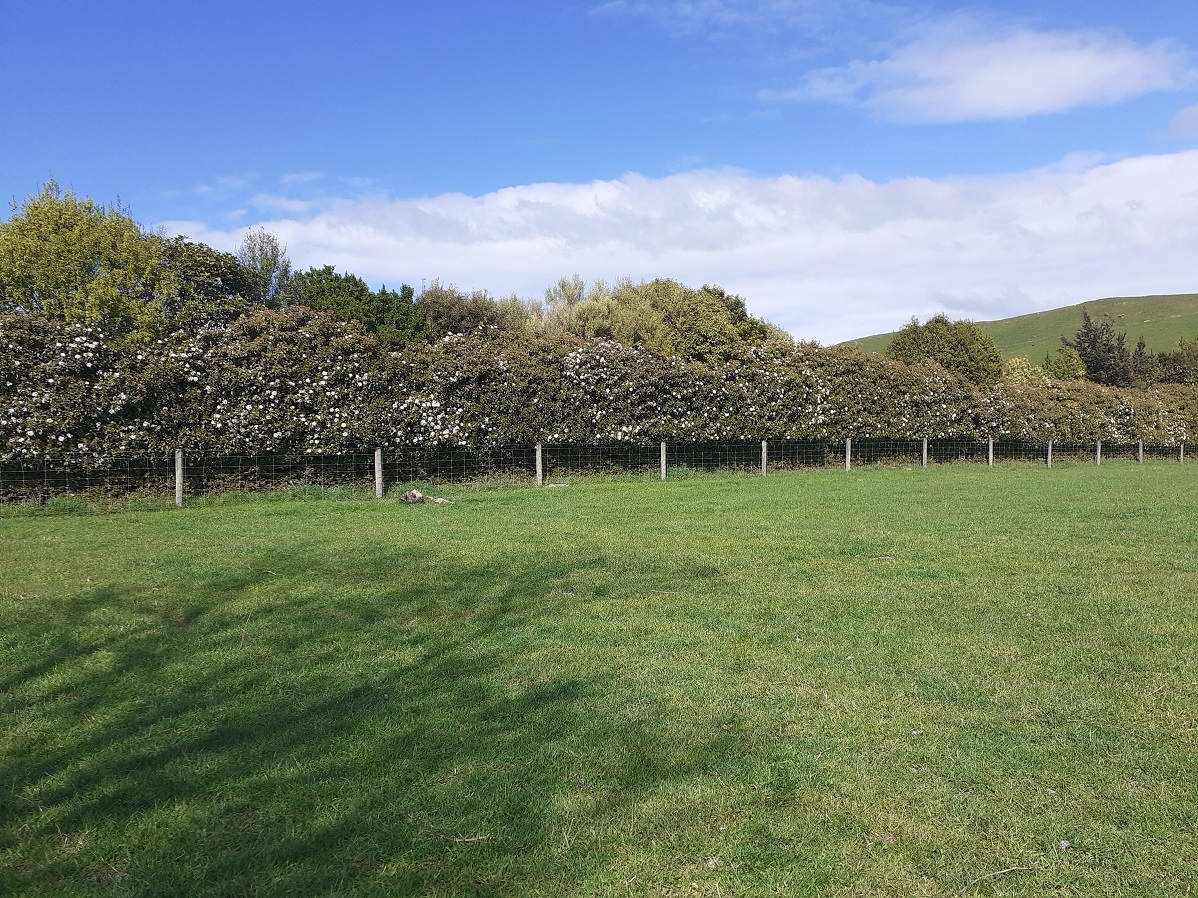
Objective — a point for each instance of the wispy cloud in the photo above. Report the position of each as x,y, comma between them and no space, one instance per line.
300,177
1185,123
954,72
268,202
907,65
826,259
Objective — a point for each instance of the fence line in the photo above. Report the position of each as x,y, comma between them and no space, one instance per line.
377,470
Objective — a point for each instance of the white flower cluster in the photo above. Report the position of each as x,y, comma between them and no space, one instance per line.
295,381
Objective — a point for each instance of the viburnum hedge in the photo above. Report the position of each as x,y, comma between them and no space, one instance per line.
297,380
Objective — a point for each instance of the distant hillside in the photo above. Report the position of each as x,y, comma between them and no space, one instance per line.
1160,320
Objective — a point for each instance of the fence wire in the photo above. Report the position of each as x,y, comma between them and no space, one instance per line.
41,479
563,460
36,481
207,474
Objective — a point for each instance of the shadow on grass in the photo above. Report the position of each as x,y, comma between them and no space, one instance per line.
318,726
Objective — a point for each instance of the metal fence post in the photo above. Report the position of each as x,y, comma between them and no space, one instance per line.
378,473
1140,452
765,457
179,477
923,458
848,453
990,453
663,459
540,464
1050,453
1098,454
1181,453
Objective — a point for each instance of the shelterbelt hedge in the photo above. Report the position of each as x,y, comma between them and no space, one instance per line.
297,380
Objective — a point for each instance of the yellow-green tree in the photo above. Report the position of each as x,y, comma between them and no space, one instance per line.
77,260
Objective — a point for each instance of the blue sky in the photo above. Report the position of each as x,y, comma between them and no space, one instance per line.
842,164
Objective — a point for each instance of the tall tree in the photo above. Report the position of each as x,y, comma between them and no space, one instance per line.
213,287
392,316
267,266
1180,365
1103,351
670,317
449,310
76,260
959,346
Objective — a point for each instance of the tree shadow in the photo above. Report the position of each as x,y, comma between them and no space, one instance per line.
273,731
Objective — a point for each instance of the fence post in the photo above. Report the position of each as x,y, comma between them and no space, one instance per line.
990,453
923,459
179,477
663,459
540,464
848,453
1140,452
765,457
1181,454
1098,454
1050,453
378,473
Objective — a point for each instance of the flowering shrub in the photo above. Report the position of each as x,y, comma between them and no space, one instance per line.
299,381
1077,412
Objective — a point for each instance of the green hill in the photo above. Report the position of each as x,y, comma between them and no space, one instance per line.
1160,320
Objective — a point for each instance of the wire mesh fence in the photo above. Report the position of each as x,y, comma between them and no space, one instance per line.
40,479
206,474
564,460
457,463
37,481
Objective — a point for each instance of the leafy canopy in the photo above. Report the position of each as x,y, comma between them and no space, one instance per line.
959,346
1102,350
392,316
78,261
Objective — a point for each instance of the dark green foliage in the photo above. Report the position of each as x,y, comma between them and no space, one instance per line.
1103,351
1178,366
213,287
301,380
958,346
392,316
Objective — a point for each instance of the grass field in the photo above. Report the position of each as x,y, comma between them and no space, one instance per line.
1160,320
959,681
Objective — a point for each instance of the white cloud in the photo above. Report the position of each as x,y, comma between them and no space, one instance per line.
955,71
300,177
1185,123
826,259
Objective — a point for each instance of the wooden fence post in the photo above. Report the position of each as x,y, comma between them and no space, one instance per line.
179,477
765,457
379,486
540,464
1098,454
848,453
663,459
1050,453
990,453
923,458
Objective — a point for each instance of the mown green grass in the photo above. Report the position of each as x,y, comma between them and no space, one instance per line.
1160,320
942,682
